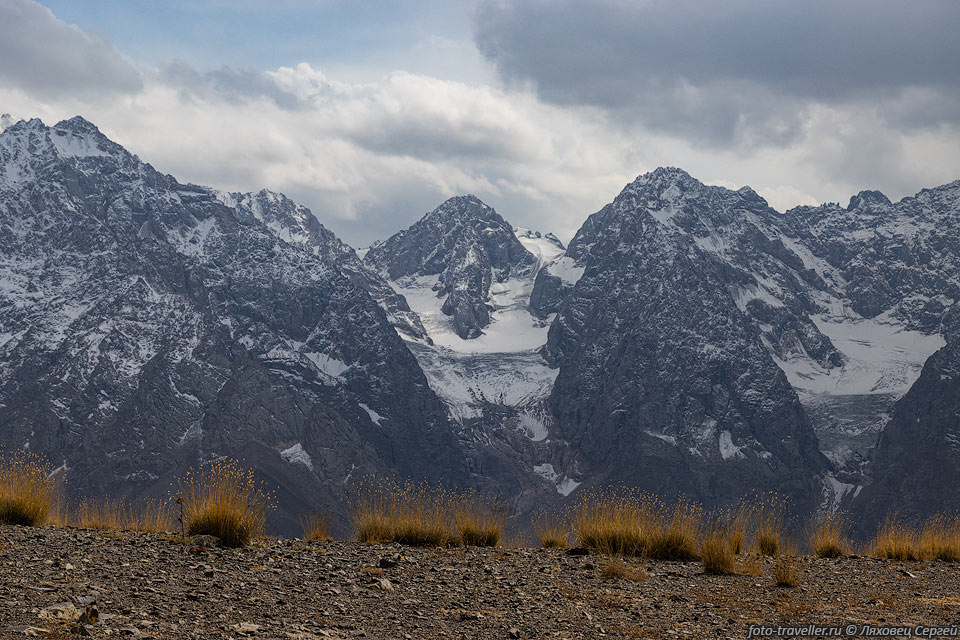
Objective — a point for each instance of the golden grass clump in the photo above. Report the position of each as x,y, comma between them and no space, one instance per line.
617,523
316,528
635,524
28,489
785,574
717,553
676,537
940,539
422,515
768,525
552,532
896,540
479,520
737,522
223,500
829,537
412,513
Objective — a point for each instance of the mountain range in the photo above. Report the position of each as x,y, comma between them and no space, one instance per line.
690,340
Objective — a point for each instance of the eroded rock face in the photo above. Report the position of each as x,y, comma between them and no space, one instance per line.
147,326
466,245
915,469
295,224
665,381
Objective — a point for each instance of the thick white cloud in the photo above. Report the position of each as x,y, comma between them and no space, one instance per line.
49,58
371,156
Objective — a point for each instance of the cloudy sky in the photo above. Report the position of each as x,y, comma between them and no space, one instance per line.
372,113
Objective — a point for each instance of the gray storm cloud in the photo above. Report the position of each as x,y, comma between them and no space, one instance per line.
45,56
738,70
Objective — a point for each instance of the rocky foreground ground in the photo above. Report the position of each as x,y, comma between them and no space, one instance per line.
59,582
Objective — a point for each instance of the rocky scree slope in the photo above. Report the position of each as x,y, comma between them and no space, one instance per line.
145,325
286,590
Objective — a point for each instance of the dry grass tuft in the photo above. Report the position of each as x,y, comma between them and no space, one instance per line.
768,526
677,537
737,522
316,528
223,500
480,520
895,540
420,515
940,539
28,489
552,533
785,574
617,569
829,537
635,524
413,514
717,554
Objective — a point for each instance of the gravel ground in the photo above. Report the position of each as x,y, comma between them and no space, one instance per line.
59,582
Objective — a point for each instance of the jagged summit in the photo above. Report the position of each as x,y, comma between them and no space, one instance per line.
466,206
78,124
462,246
866,200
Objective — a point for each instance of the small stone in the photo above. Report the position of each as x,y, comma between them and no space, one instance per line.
514,633
383,584
246,627
66,611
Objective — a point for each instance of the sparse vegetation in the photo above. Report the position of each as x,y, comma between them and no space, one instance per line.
618,569
148,515
940,539
316,528
28,489
829,536
768,526
717,553
414,514
552,532
736,525
223,500
895,540
480,520
784,573
633,524
421,515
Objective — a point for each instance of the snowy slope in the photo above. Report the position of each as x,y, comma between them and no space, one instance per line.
493,379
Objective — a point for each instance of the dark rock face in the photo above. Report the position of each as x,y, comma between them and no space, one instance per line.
915,470
467,245
146,326
664,382
899,258
295,224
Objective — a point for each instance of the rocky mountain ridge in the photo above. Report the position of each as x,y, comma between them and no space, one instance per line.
690,339
146,327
